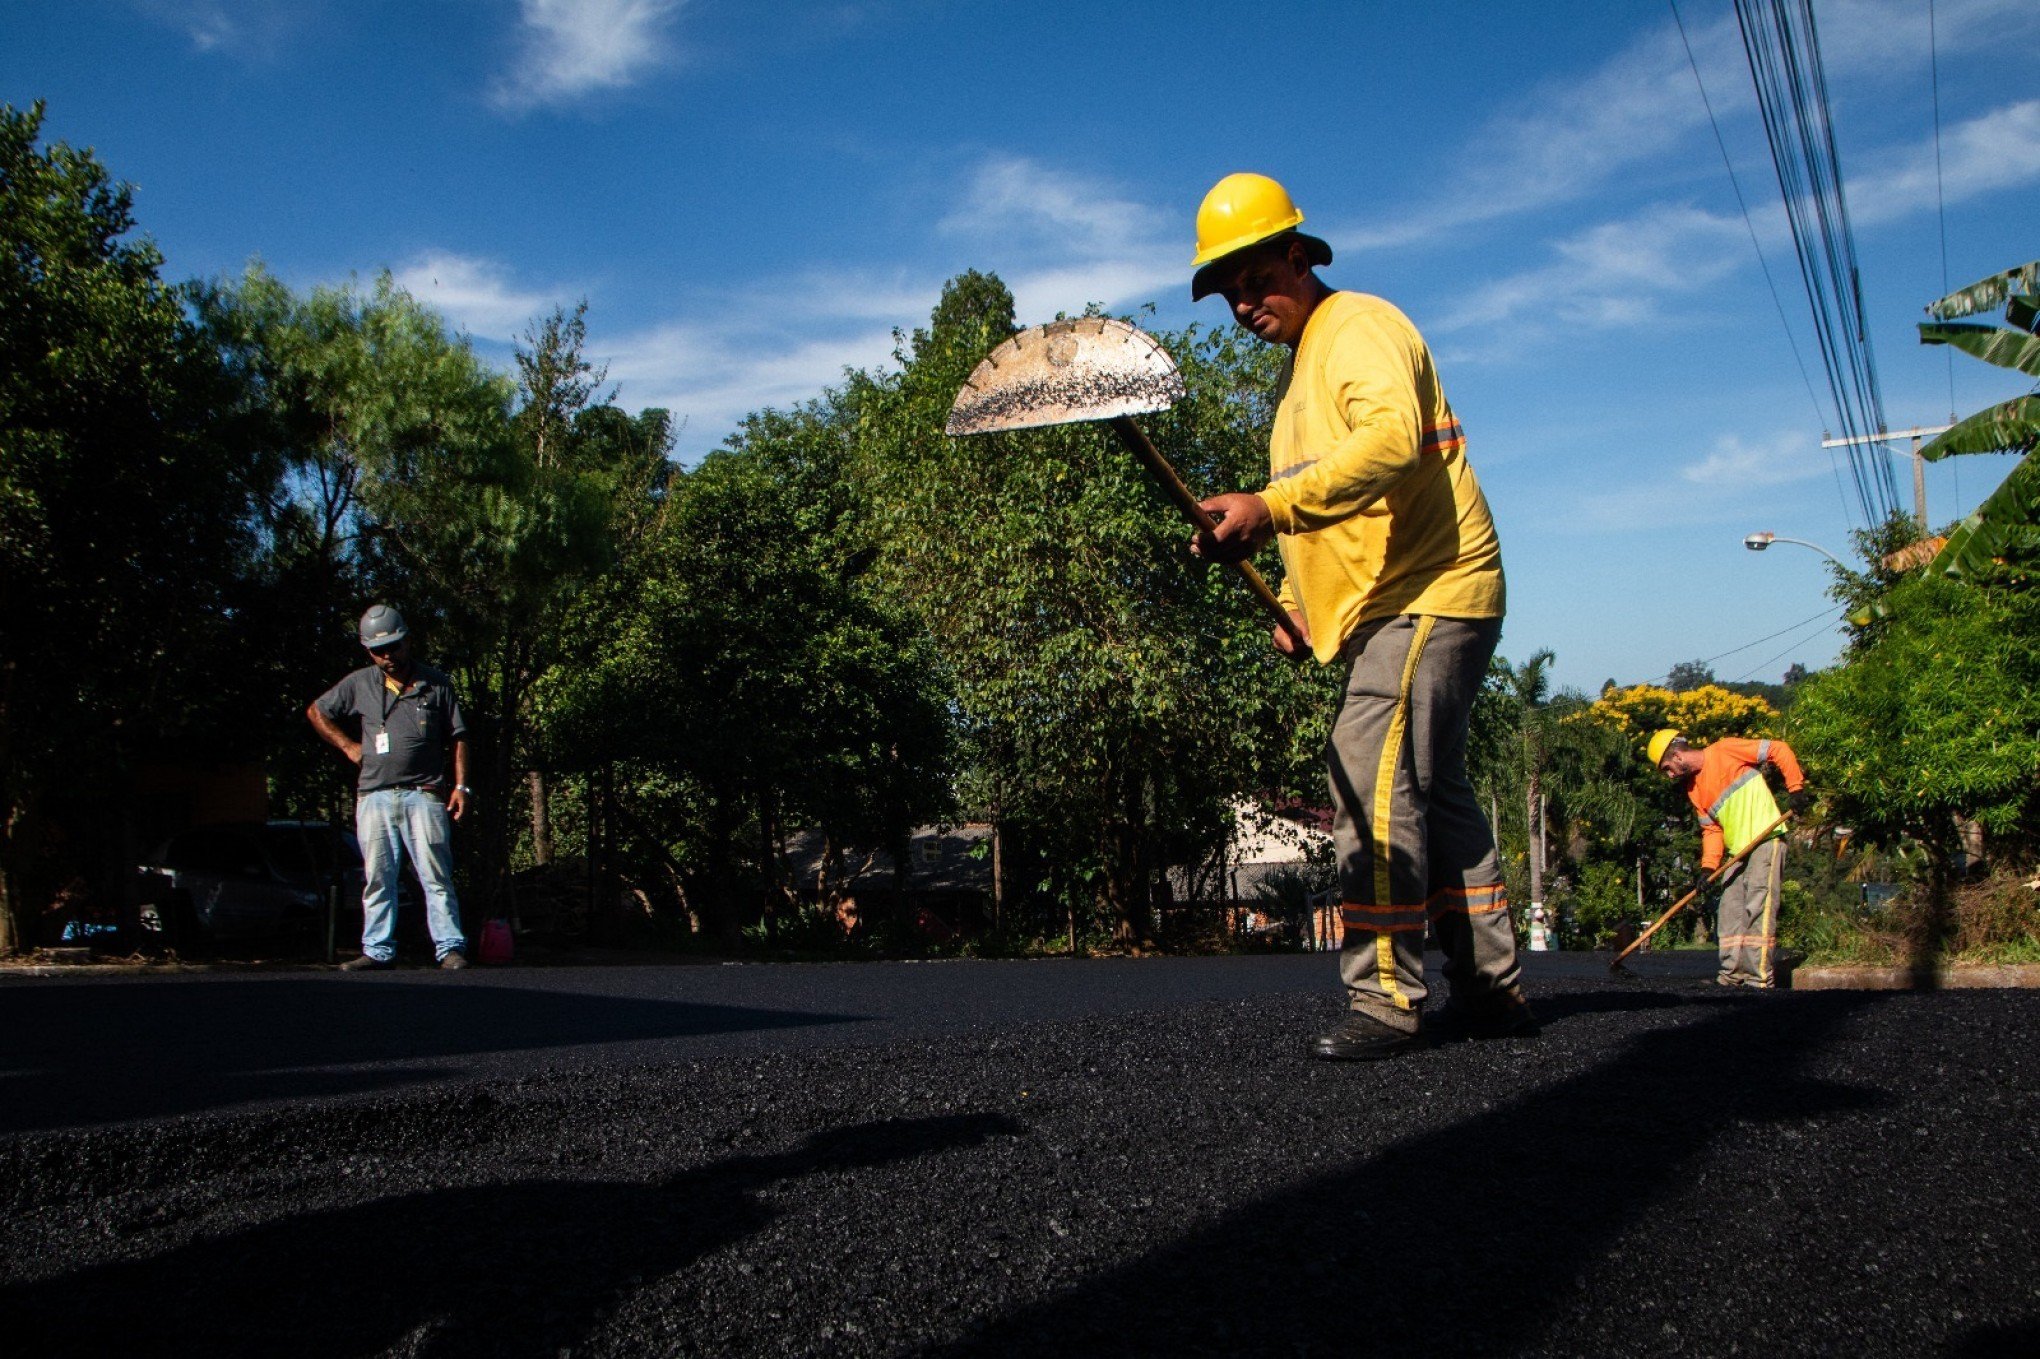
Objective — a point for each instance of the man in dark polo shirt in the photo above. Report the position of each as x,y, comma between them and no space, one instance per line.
408,718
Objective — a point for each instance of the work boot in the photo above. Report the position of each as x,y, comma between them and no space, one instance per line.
454,961
1497,1014
365,963
1360,1037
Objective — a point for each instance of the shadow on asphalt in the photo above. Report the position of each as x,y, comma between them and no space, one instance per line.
522,1268
1556,1008
73,1055
2020,1340
1456,1241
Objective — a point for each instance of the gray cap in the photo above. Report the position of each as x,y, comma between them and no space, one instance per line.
382,625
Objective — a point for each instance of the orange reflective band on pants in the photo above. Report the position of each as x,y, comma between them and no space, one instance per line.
1358,916
1483,900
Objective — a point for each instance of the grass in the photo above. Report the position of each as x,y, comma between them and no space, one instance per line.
1993,920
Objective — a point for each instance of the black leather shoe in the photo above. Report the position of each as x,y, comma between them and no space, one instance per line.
1498,1014
366,964
1360,1037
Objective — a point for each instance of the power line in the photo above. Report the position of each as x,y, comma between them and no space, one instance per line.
1782,44
1757,246
1824,616
1773,660
1941,212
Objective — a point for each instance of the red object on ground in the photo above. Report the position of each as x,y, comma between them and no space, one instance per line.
497,946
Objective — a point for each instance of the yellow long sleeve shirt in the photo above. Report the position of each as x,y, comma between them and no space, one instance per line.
1378,510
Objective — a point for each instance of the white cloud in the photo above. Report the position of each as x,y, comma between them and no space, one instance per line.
571,48
1778,461
1063,241
855,295
1999,150
1013,197
475,294
1039,294
1615,273
1859,35
1578,132
711,380
245,28
1572,135
1736,481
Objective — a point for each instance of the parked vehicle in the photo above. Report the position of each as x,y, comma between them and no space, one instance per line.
247,880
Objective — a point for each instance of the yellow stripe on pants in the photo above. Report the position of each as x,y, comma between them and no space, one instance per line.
1384,810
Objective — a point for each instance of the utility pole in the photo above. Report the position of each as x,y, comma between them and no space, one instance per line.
1919,464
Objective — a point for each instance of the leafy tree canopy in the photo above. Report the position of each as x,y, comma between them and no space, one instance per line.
1705,714
1937,717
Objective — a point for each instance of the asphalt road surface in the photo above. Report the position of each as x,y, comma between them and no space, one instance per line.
1128,1157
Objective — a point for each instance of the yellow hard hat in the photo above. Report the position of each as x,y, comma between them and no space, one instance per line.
1243,210
1660,741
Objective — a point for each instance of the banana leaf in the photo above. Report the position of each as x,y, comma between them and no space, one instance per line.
2009,427
1992,344
1987,294
2002,537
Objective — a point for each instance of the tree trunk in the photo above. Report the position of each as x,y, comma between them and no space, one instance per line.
593,837
541,819
1534,825
10,935
998,870
768,866
611,885
1929,933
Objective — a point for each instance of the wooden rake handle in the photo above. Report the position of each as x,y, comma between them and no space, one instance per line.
1138,444
1705,883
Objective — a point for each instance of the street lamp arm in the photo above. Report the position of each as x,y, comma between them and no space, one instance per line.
1757,542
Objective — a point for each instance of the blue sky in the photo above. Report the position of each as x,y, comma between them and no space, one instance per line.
752,197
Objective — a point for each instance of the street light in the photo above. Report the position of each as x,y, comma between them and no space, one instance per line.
1757,542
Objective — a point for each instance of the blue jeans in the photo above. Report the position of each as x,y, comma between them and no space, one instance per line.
393,824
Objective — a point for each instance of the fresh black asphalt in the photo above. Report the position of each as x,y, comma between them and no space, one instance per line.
1129,1157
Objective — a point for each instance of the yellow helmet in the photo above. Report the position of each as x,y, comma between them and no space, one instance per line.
1660,741
1243,210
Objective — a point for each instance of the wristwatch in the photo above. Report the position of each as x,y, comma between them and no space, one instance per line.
464,790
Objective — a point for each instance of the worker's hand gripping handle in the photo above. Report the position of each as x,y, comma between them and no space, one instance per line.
1138,444
1705,883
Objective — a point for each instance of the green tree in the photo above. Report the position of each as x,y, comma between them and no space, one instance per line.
397,446
744,684
1114,699
1690,675
127,524
1936,718
1530,688
500,523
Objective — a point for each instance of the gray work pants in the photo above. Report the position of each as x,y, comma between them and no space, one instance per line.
1747,928
1414,847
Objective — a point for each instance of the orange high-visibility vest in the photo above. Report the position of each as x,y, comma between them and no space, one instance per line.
1734,802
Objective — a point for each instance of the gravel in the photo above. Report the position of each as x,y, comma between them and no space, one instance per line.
1668,1170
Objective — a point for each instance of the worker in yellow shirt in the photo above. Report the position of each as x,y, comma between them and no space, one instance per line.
1392,568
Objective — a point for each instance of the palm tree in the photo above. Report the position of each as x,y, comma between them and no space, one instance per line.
2002,534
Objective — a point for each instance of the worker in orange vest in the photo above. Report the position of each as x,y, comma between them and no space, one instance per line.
1725,783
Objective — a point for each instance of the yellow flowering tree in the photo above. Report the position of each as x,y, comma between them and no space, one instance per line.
1705,714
